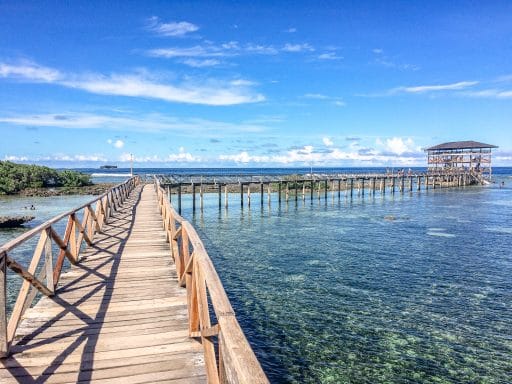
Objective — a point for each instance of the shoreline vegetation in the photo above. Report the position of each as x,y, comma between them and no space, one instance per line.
35,180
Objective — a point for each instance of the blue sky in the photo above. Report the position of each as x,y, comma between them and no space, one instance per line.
289,83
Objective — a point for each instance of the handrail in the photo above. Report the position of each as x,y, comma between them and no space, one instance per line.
69,245
230,359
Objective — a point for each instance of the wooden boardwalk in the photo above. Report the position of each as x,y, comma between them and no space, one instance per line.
119,316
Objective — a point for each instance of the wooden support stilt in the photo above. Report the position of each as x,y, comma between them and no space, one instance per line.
312,189
248,195
220,195
179,198
351,187
201,202
226,195
326,187
362,187
261,193
4,340
279,193
193,197
241,195
339,189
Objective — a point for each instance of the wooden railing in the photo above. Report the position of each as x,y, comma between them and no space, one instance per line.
228,356
69,246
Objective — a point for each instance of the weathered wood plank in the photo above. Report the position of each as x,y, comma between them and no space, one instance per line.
119,315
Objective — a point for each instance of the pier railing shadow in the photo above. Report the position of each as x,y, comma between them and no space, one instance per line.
228,356
44,270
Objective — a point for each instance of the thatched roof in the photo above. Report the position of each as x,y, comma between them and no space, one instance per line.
460,145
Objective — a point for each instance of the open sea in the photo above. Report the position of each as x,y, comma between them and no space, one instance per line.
404,288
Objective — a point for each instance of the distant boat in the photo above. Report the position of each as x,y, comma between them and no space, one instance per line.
108,167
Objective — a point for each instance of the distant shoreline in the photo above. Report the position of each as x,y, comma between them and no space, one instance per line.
94,189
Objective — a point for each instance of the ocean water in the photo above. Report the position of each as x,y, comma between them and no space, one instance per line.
404,288
413,288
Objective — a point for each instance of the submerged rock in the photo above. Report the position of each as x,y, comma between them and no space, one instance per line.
14,221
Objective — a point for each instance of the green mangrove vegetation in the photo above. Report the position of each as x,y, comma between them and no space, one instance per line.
15,178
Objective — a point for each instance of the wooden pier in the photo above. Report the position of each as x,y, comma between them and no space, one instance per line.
134,307
310,186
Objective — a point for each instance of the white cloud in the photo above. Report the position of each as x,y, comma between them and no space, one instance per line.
181,157
297,48
117,143
488,93
15,158
196,51
201,63
29,71
377,51
142,84
291,30
397,145
60,157
229,49
435,88
145,123
242,83
261,49
329,56
139,86
327,142
318,96
174,28
307,155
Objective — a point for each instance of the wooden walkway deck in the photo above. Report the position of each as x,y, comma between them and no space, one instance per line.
119,315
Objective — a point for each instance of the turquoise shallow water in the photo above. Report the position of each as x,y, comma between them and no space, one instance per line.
46,208
406,288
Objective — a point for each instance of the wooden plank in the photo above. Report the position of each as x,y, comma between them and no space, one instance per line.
119,316
28,280
3,305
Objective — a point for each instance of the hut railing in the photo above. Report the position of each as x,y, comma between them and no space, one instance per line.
228,356
44,279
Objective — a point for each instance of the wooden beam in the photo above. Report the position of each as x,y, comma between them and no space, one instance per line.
4,343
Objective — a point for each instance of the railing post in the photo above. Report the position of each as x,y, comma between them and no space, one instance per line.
4,346
72,239
48,261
